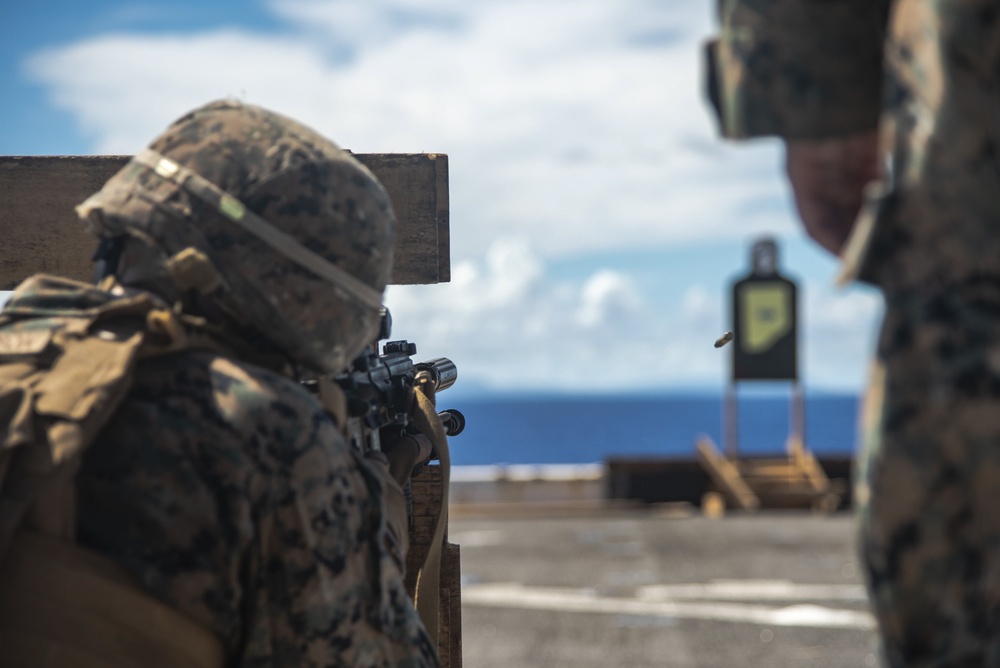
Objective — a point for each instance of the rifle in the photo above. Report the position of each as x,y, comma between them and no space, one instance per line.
378,390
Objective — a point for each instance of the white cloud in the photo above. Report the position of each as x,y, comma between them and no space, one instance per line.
590,335
571,128
509,328
608,298
839,335
605,332
580,126
700,305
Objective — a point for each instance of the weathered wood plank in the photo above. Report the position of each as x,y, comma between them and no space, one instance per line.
725,474
39,230
427,488
451,600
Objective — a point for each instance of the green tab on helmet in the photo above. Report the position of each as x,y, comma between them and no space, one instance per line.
232,208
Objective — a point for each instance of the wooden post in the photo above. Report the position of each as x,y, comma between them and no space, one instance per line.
726,474
730,422
426,501
798,412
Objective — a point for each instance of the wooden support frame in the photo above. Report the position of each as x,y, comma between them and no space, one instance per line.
797,480
40,232
725,474
427,487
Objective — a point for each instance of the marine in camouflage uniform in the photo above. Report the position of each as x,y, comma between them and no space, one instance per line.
927,73
220,484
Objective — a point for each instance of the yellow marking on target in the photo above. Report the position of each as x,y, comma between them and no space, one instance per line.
767,315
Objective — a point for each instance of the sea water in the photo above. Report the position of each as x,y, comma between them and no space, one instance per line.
589,429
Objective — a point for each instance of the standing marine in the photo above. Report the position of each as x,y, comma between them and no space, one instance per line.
890,112
170,495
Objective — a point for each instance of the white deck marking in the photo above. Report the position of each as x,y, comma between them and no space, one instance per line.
478,537
754,590
567,599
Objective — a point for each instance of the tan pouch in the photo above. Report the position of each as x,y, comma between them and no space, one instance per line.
61,380
65,607
62,376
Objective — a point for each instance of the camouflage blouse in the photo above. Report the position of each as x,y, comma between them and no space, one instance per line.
230,494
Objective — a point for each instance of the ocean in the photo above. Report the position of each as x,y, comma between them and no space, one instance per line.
583,430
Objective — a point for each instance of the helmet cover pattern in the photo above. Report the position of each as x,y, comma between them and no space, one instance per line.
295,179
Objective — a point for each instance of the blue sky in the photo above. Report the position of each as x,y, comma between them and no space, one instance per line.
596,218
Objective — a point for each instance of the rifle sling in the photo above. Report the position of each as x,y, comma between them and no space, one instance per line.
427,596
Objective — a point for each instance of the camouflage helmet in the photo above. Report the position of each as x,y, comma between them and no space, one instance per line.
274,223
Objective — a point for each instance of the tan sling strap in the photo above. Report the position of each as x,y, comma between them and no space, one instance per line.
427,597
65,607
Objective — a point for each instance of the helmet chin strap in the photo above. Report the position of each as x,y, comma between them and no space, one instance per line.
107,256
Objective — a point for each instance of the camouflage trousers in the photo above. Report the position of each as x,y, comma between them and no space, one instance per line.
928,483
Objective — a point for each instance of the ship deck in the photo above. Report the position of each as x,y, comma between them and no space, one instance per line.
661,586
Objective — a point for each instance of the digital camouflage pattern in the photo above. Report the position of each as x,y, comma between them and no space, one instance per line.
242,506
773,72
295,179
929,473
935,226
229,493
927,488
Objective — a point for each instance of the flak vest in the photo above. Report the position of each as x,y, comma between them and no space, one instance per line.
68,353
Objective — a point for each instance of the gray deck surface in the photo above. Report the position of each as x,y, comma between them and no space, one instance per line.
633,588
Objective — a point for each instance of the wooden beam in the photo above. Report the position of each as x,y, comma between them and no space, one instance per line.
804,460
427,488
725,474
39,230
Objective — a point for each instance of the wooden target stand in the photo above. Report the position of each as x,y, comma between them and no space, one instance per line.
40,232
765,322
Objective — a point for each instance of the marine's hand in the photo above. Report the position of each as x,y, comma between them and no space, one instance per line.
828,178
405,454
